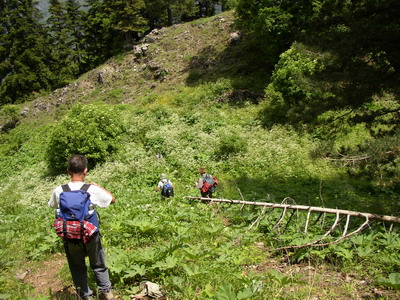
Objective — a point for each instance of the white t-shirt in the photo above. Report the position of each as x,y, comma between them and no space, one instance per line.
98,196
162,182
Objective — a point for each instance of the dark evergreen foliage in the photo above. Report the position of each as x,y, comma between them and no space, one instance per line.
167,12
24,52
75,27
354,42
64,43
36,58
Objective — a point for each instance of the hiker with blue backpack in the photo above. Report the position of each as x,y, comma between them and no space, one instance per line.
206,184
78,225
166,187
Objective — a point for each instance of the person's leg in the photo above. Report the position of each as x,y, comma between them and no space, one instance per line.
204,195
75,252
98,264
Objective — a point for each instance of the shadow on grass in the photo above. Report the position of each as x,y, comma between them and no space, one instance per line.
66,293
239,62
334,193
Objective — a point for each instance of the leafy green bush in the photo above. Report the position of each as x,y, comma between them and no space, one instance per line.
90,130
9,116
230,144
292,96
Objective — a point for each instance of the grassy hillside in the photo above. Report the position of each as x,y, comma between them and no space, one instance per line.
194,97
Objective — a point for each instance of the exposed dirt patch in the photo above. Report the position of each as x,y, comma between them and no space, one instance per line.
45,278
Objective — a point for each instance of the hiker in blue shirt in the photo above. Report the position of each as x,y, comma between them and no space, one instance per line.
77,249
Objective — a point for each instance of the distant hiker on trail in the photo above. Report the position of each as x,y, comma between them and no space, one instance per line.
77,223
206,184
166,187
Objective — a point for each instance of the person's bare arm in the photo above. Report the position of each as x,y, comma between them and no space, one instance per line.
107,191
199,183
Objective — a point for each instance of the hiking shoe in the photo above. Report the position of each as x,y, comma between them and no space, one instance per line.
106,296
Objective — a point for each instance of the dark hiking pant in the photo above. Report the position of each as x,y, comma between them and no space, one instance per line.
206,194
76,252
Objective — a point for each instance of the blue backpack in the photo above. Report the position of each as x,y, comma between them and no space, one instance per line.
75,205
167,190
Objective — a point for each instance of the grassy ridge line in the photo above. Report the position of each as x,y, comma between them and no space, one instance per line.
180,50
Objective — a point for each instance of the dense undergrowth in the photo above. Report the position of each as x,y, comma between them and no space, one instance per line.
193,250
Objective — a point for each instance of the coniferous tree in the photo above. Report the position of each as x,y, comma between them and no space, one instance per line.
74,17
24,53
166,12
206,8
65,62
100,40
228,4
127,18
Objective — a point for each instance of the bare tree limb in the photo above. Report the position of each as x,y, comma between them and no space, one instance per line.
257,221
280,219
307,221
347,225
316,241
370,216
365,224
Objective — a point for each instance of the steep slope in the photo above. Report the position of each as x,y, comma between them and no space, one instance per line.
167,59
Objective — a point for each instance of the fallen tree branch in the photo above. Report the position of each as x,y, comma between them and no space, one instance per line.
257,221
347,235
316,241
313,244
370,216
307,221
347,225
280,219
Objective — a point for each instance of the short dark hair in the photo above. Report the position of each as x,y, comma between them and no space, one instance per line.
77,164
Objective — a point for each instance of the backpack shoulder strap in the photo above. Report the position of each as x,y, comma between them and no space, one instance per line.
66,188
85,187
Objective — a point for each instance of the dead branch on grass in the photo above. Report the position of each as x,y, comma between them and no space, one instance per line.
310,209
370,216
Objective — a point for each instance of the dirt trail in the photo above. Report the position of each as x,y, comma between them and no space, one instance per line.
45,278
